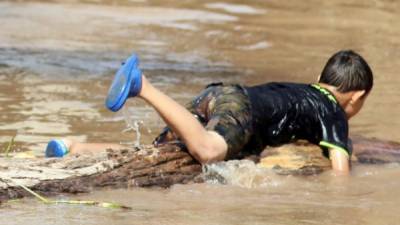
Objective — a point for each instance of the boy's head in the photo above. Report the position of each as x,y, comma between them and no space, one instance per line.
352,78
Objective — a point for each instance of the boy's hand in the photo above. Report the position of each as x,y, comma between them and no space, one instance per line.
340,161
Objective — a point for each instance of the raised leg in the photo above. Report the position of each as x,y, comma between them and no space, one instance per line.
206,146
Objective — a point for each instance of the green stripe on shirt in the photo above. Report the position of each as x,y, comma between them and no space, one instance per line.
329,145
325,92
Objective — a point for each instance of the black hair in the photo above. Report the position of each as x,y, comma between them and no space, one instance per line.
347,71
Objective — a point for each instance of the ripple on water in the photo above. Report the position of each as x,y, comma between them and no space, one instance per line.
257,46
97,19
234,8
38,127
182,46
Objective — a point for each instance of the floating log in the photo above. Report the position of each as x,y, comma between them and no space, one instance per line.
162,166
148,166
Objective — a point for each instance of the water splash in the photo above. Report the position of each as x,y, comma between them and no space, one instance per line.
132,125
243,173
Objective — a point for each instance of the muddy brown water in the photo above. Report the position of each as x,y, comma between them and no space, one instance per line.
57,59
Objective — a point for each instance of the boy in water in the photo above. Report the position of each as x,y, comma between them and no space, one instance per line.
227,121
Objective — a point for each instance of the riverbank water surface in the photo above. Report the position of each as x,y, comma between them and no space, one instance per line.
57,59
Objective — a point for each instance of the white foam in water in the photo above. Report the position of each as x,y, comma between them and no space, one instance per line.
256,46
234,8
243,173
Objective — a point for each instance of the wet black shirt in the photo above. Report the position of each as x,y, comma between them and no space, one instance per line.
283,112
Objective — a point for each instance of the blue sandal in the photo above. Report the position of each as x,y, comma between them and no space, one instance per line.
127,83
56,148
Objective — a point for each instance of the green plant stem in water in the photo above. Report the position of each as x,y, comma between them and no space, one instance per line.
43,199
9,146
75,202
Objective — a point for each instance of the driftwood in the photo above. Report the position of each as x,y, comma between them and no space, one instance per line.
162,166
144,167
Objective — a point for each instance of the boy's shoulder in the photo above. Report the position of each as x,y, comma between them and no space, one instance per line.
280,85
308,101
288,92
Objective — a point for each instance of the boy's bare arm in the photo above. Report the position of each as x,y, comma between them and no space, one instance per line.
340,161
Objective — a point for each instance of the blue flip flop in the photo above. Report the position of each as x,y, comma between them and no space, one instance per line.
56,148
127,83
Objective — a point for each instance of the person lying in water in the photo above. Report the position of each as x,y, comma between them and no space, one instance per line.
227,121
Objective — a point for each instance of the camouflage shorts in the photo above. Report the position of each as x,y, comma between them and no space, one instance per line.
224,109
